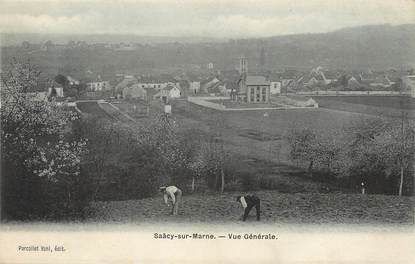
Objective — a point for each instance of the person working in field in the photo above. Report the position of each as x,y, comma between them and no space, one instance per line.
247,202
173,195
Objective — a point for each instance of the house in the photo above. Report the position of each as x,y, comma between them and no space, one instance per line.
315,78
367,77
153,84
288,79
275,87
134,90
353,82
286,82
169,92
252,89
350,82
207,84
213,86
382,82
95,86
331,76
157,82
57,93
408,84
218,88
174,91
275,82
126,82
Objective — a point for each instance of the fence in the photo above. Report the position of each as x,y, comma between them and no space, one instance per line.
349,93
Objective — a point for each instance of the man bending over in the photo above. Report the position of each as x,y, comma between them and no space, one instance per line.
173,195
247,202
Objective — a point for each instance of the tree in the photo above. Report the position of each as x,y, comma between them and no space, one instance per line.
373,150
320,151
302,146
62,80
37,155
397,147
68,89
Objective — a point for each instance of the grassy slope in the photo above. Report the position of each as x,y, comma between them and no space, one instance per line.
395,102
309,208
388,106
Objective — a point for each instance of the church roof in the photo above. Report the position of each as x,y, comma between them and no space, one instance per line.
256,80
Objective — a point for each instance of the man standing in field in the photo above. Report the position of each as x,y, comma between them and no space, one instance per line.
173,195
247,202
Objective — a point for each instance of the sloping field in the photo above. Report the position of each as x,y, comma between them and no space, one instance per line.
276,207
115,112
389,106
267,128
397,102
92,108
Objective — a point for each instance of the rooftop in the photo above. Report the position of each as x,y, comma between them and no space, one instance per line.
256,80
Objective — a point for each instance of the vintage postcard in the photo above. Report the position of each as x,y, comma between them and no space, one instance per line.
210,131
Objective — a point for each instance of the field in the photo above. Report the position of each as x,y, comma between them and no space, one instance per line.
389,106
260,134
92,108
251,136
276,208
257,141
396,102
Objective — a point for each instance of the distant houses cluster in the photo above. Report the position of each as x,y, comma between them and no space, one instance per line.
321,79
239,84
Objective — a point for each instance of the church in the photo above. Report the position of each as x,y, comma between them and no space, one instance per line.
251,88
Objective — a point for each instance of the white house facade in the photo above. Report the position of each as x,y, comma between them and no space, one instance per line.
275,87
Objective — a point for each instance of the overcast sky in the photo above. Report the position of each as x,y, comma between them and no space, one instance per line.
237,18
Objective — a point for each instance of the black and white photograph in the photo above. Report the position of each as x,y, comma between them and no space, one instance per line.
224,118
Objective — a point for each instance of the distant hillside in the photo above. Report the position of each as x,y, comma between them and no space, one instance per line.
381,46
9,39
368,46
358,48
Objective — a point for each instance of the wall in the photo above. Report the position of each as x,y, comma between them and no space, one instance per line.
351,93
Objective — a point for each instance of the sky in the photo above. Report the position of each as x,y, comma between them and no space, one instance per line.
199,18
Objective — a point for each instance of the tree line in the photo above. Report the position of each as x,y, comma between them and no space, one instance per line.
375,152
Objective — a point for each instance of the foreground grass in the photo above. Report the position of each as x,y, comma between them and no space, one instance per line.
308,208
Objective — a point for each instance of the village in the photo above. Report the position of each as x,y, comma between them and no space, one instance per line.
277,87
217,128
208,131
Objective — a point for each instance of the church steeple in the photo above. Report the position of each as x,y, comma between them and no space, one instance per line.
243,65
